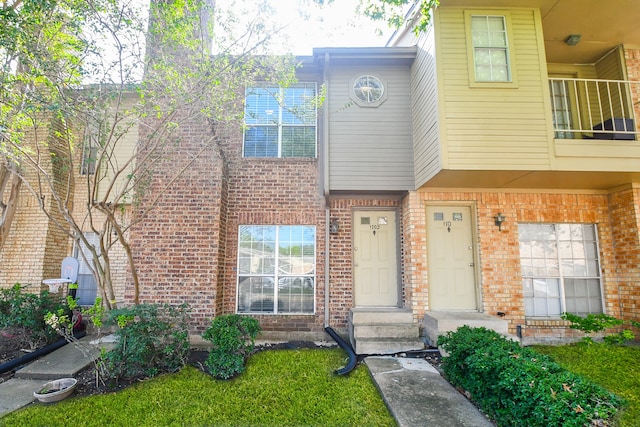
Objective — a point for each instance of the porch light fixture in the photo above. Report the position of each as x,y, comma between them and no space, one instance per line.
499,220
334,227
573,39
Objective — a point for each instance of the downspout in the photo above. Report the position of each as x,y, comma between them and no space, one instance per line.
325,179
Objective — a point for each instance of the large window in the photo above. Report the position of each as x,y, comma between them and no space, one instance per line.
276,269
280,122
490,48
560,269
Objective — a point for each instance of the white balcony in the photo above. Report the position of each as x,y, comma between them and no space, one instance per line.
594,109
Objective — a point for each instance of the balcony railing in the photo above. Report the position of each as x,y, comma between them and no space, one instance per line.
594,109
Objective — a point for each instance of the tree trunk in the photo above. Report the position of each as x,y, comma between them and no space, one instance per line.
8,205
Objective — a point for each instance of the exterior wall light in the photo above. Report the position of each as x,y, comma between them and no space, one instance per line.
573,39
334,227
499,220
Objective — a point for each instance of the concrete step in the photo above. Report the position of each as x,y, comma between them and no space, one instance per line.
387,345
377,316
438,323
389,330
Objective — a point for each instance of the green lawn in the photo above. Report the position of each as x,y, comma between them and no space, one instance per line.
616,368
279,388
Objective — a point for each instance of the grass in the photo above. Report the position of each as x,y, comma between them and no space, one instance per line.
279,388
616,368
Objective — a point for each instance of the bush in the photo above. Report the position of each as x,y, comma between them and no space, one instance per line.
152,339
517,386
595,323
23,314
233,337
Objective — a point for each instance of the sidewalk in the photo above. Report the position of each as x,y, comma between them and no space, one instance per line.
64,362
418,396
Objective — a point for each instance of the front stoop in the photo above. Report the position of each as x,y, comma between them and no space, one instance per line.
437,323
383,331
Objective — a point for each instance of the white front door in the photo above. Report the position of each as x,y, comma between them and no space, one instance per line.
451,258
375,260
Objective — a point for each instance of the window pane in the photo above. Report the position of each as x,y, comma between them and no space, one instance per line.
295,295
261,142
491,56
261,106
256,252
256,295
299,142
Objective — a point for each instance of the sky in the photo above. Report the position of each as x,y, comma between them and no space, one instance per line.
334,25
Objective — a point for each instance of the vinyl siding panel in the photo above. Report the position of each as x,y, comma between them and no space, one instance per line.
123,146
370,148
428,161
493,127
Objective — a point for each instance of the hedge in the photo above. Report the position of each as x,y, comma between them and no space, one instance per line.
515,386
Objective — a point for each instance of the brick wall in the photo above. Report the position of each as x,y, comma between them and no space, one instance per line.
36,246
274,192
498,251
177,246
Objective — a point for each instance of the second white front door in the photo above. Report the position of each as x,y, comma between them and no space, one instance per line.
451,258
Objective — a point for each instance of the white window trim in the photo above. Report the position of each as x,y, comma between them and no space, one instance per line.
473,81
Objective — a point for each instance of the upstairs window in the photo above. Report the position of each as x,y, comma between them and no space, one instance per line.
280,122
490,42
90,151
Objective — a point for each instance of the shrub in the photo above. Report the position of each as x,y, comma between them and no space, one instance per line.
233,337
593,323
152,339
23,314
517,386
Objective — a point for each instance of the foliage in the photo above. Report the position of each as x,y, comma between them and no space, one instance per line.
152,339
279,388
396,13
615,367
233,337
517,386
593,323
24,314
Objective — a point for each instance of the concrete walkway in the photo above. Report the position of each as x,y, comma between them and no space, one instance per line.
414,391
417,395
64,362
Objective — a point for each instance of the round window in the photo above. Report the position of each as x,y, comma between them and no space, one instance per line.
368,89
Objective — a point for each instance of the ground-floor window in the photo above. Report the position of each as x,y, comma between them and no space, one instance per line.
87,287
560,269
276,269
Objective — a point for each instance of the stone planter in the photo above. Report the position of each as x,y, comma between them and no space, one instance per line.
56,390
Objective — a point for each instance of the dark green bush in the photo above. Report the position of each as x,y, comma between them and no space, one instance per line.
23,314
516,386
233,337
152,339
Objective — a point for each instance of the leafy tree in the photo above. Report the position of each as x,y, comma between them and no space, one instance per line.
396,13
80,77
400,12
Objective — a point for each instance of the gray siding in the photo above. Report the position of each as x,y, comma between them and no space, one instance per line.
370,149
